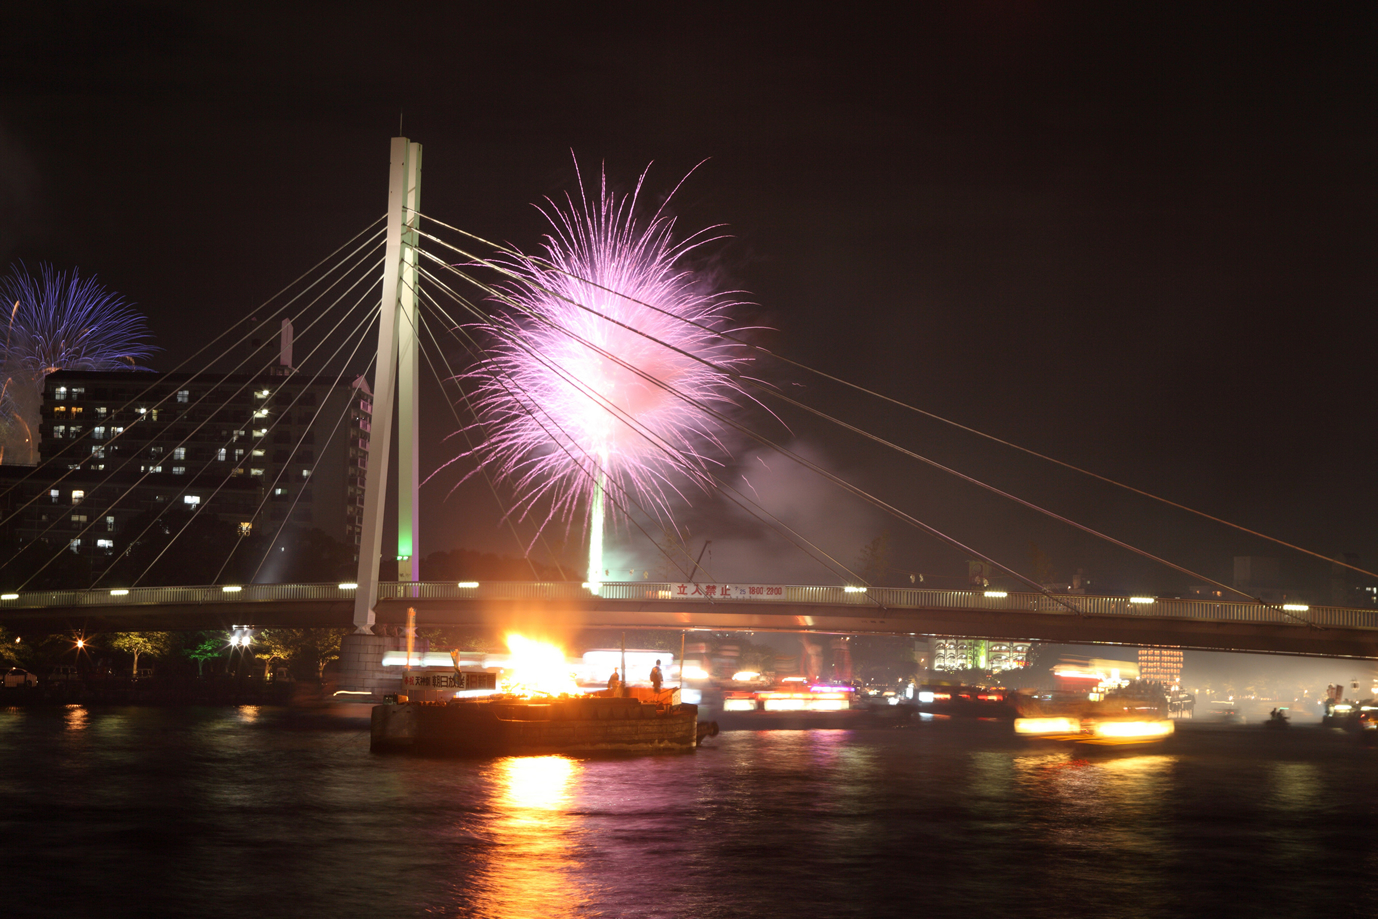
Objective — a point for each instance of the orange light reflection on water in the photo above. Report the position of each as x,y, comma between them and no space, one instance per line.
532,870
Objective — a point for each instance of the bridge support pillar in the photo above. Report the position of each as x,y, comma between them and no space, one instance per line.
361,665
397,321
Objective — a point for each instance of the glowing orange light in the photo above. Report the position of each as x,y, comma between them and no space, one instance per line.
1037,726
536,668
1133,729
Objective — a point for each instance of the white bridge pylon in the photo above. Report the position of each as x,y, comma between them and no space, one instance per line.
395,376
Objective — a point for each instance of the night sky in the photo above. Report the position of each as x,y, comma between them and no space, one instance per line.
1140,240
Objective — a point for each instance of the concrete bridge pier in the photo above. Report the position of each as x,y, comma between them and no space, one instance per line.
361,664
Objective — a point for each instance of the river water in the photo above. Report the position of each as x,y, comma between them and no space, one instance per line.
274,812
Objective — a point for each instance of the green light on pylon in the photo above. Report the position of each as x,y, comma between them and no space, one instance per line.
596,515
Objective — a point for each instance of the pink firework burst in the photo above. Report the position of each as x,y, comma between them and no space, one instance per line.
610,368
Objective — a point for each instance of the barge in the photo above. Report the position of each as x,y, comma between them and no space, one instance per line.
638,721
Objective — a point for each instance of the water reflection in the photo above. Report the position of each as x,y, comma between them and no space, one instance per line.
74,718
531,869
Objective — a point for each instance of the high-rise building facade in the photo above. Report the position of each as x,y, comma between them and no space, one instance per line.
260,451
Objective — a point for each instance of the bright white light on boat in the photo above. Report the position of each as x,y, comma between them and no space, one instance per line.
785,704
352,692
1140,599
119,593
1344,707
746,676
695,673
1035,726
925,695
849,589
996,594
232,589
476,693
739,705
690,696
1295,607
349,586
1132,729
467,584
828,705
536,667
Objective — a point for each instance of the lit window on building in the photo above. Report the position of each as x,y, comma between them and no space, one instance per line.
55,494
107,544
184,395
221,454
77,495
246,527
75,545
102,411
179,470
179,453
255,472
60,393
59,431
109,524
191,500
98,432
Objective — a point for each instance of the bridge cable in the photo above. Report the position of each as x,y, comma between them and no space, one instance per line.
132,457
864,390
700,475
201,367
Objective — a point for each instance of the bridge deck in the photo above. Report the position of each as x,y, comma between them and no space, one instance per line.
559,606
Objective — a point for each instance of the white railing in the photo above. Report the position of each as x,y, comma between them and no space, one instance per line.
764,595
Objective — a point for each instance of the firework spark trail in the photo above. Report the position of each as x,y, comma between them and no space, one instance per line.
562,419
61,321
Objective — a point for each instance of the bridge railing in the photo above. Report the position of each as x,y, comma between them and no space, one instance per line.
765,594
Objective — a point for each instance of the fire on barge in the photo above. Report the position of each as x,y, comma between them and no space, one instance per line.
521,714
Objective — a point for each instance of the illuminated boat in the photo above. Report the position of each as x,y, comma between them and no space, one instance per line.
532,705
956,700
1115,720
793,704
640,722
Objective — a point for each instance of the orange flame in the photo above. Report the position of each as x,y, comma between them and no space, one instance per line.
536,668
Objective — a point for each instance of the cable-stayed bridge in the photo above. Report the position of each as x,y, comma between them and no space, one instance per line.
104,446
566,607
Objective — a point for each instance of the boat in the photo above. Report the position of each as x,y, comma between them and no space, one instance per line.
1123,717
636,720
795,704
957,700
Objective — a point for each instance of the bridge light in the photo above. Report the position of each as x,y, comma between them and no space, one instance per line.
1140,599
119,593
348,586
232,589
468,584
996,594
9,596
1295,607
849,589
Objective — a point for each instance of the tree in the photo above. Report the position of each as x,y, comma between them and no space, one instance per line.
469,565
874,561
154,644
8,648
177,545
1040,566
302,648
209,647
